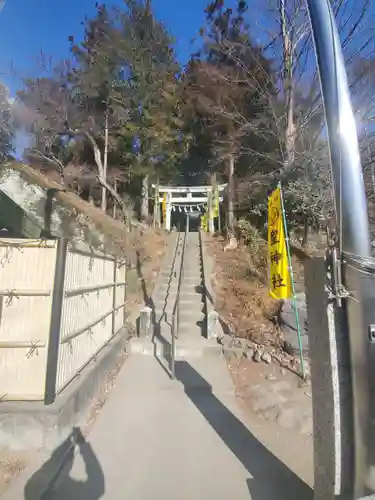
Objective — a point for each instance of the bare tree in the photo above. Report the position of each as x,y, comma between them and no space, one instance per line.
290,131
63,118
286,30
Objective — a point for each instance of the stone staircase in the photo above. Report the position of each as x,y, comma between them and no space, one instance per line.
192,332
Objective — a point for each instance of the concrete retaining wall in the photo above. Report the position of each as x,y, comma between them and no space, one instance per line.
213,326
330,380
34,426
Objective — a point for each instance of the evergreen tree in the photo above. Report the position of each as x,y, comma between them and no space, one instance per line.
229,78
7,124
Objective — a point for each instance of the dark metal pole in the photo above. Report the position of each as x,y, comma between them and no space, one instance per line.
114,311
173,347
124,315
350,198
55,325
352,223
48,209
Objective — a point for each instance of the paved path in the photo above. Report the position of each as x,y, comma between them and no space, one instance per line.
175,440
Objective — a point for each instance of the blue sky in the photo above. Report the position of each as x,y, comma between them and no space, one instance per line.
28,27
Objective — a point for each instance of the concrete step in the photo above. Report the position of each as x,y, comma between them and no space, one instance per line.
189,269
191,277
187,302
184,332
192,274
166,273
186,298
188,309
192,314
188,283
186,287
192,261
193,254
185,348
163,283
191,330
190,296
187,314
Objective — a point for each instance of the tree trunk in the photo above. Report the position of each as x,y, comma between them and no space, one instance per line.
290,132
105,162
156,206
213,201
144,199
114,202
103,181
305,234
230,220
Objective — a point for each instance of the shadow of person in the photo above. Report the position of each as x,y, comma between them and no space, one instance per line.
62,485
271,479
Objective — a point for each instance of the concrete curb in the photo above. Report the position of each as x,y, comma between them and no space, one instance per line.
33,426
207,270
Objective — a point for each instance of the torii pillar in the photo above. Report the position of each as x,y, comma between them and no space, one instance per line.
168,212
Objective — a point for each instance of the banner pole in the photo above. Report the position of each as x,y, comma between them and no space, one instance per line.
292,283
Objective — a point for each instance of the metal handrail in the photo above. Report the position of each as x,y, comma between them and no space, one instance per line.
176,307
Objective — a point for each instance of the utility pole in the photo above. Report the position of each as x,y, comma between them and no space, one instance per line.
353,290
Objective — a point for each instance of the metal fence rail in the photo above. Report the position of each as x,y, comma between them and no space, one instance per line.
176,307
93,300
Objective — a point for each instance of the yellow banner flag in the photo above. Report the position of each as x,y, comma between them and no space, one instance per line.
280,282
204,224
164,205
215,203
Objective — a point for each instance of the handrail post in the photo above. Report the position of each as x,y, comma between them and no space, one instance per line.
176,307
55,323
173,349
354,240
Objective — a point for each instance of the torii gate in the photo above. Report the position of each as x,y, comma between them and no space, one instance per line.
187,198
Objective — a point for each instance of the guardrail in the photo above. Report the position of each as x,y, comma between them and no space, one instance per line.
176,307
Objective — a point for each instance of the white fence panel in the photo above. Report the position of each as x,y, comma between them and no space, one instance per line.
27,269
120,295
87,315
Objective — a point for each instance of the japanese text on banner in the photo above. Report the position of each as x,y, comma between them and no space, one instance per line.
215,202
280,282
204,222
